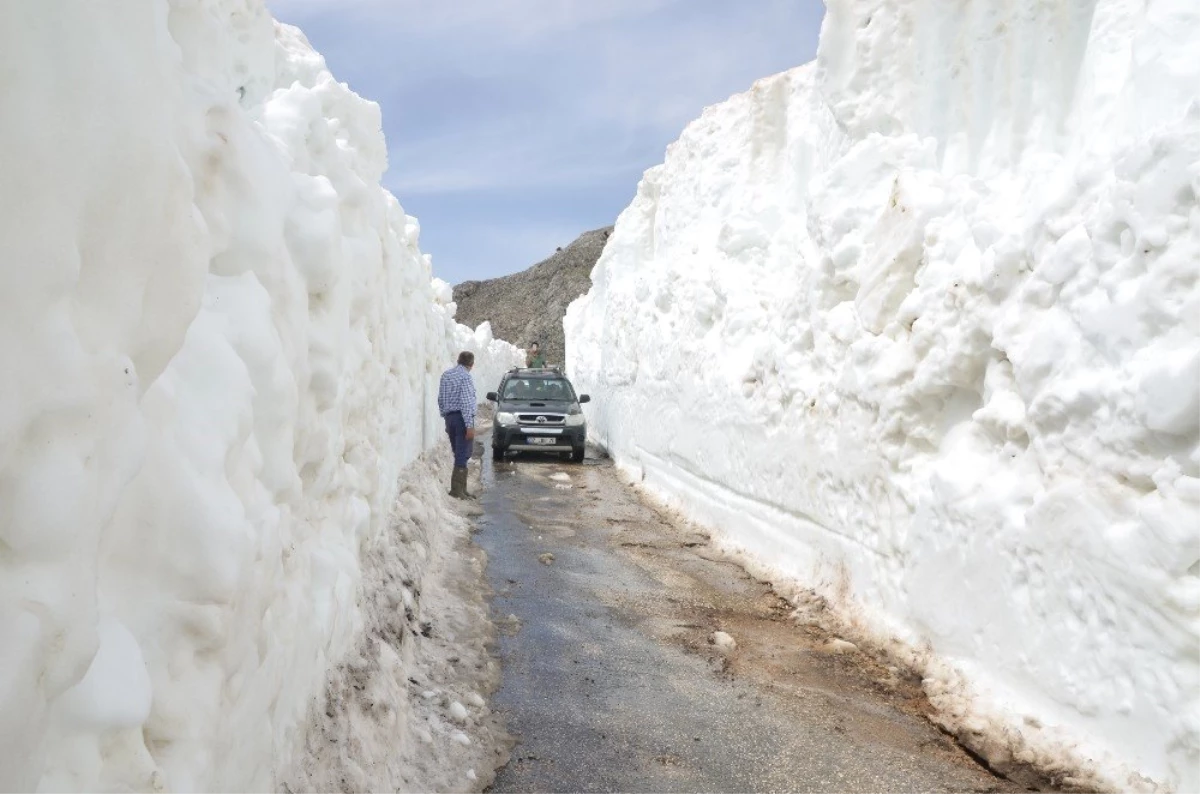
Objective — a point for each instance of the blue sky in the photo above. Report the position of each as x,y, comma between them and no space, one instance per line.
515,125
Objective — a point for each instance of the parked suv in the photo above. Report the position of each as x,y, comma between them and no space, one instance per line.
537,410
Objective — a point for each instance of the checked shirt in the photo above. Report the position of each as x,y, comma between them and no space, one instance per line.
457,393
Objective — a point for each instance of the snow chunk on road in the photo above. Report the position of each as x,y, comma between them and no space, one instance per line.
723,641
840,646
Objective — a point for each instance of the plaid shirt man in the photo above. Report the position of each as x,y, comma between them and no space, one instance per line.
457,393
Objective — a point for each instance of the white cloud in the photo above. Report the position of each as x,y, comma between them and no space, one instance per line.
534,99
612,108
501,171
523,18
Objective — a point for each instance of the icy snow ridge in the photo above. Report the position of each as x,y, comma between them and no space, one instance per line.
219,345
918,326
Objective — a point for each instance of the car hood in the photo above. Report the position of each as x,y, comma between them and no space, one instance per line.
534,406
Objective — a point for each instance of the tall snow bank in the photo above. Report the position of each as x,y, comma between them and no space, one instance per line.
918,326
219,346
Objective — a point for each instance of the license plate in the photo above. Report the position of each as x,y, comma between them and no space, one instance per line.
549,442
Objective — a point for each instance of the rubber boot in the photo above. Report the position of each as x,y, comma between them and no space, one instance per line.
458,483
465,493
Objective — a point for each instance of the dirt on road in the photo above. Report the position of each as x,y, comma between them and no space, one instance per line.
636,658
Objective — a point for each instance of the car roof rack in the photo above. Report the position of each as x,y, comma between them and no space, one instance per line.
556,370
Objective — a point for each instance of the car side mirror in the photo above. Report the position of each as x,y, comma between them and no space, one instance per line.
584,398
492,396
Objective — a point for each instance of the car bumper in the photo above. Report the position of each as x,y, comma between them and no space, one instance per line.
539,448
516,437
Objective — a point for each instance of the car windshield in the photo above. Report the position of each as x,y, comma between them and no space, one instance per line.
539,389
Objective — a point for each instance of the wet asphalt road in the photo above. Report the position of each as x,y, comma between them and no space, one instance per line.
611,682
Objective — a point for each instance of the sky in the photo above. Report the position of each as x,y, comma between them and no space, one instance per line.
513,126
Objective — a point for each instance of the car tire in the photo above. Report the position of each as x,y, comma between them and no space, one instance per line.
577,454
497,453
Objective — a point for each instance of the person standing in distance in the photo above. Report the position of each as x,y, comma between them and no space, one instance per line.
534,358
456,403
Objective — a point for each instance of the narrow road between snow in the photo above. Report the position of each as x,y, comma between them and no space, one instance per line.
613,679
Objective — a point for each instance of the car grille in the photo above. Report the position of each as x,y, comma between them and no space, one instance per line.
542,420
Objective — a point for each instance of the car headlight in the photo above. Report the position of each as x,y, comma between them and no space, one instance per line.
575,420
504,418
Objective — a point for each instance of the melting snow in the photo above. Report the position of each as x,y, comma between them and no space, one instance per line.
918,326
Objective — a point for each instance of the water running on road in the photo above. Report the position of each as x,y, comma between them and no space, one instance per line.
613,681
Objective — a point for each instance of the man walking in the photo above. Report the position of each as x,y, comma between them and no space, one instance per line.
456,403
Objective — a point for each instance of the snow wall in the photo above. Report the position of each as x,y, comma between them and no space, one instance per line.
219,345
917,326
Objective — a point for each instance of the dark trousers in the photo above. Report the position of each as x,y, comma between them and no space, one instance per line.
456,428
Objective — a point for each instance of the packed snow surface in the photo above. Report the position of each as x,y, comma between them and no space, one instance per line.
918,326
219,347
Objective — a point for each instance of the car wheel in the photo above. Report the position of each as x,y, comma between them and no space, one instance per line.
497,453
577,454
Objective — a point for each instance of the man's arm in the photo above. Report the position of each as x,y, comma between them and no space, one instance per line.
469,410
